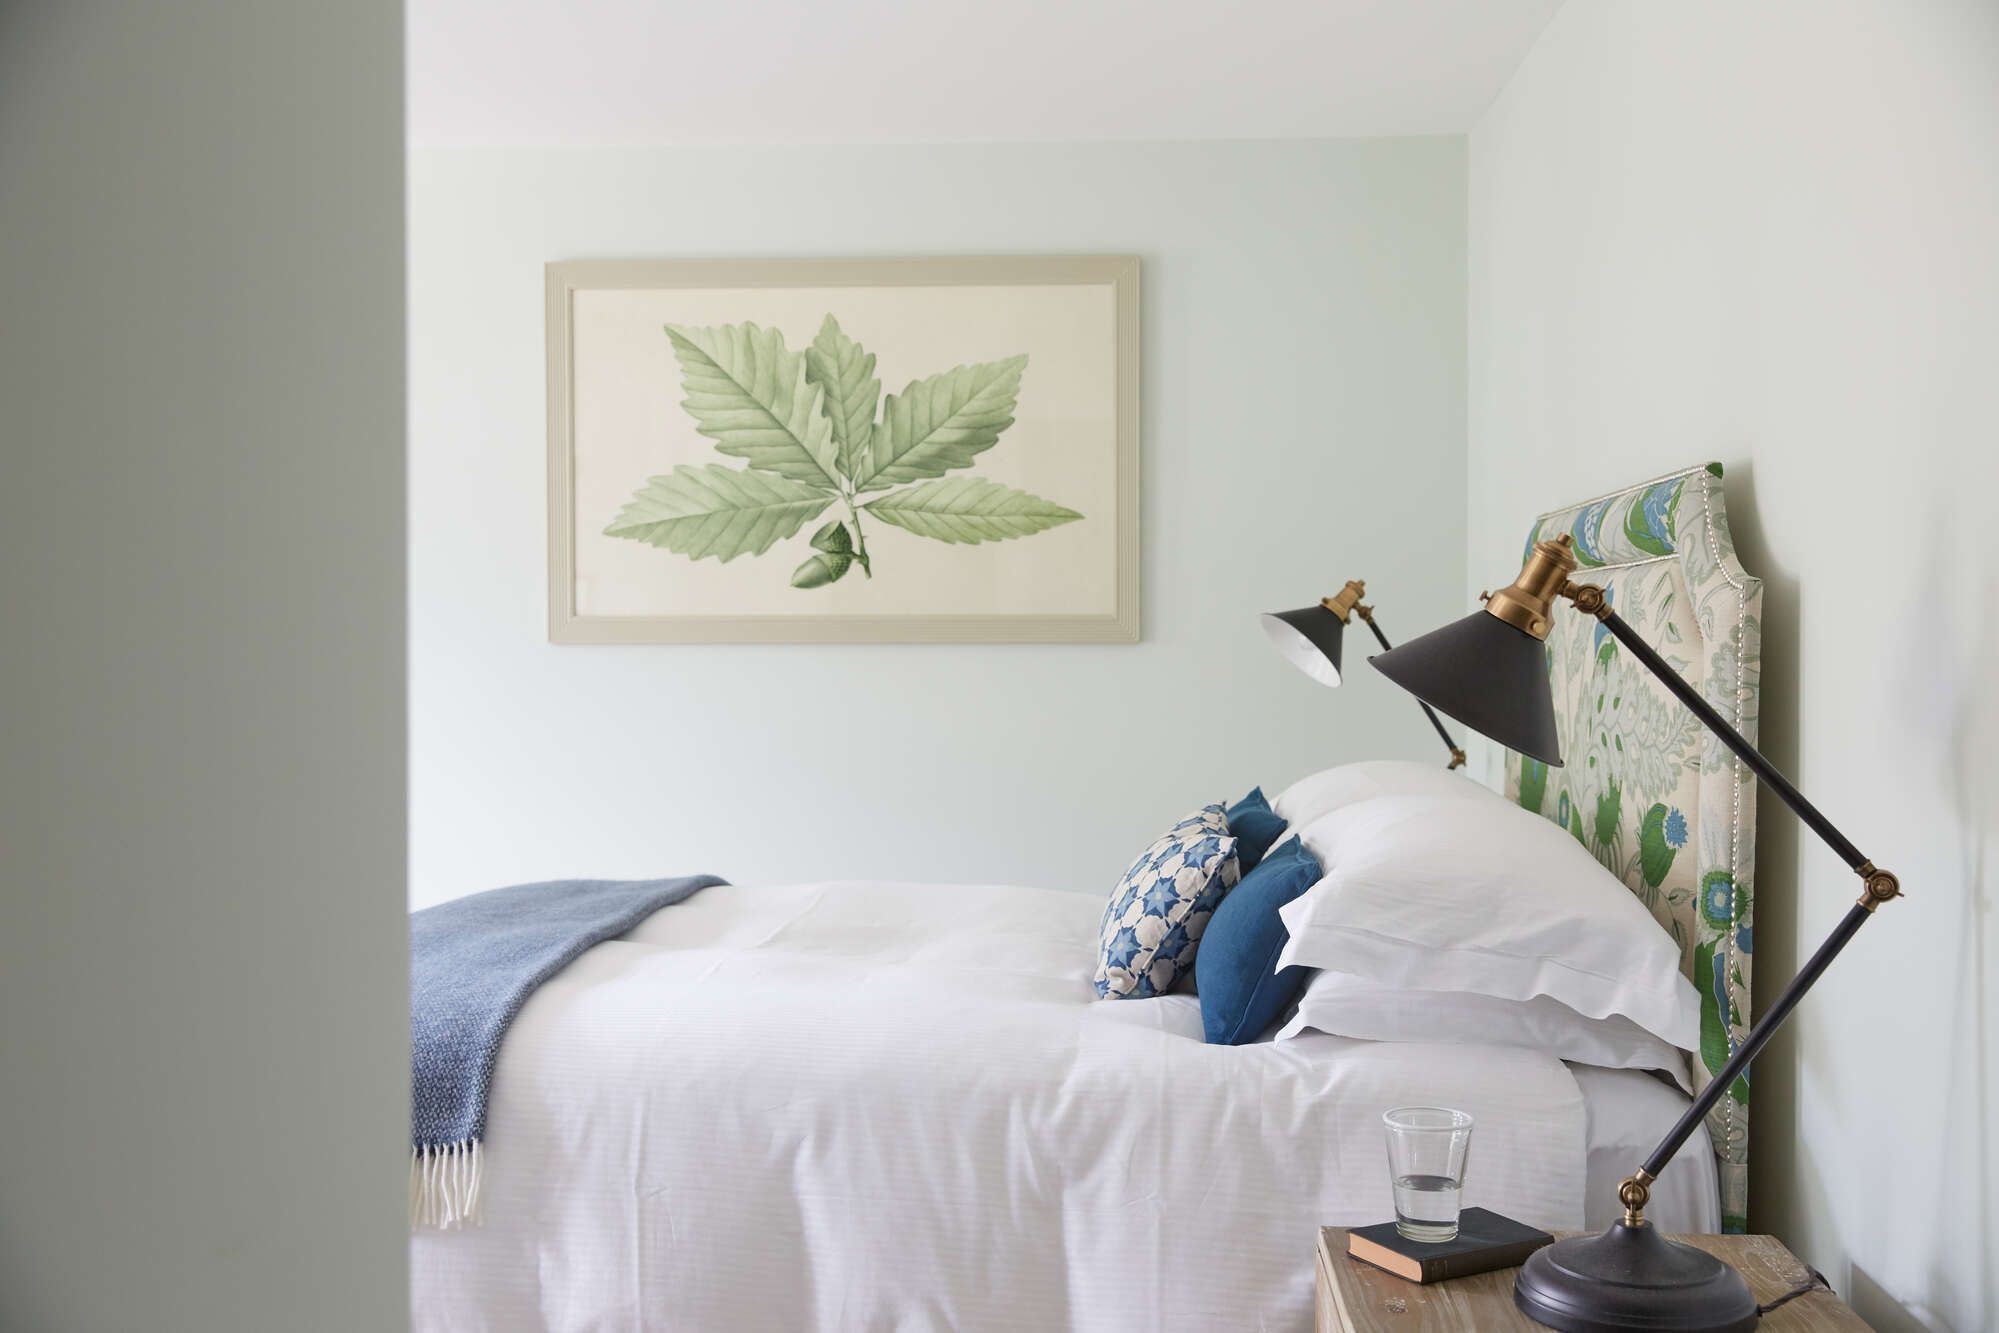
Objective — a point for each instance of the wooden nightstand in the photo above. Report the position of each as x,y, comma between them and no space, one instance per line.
1358,1298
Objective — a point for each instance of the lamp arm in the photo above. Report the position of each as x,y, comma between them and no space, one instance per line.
1881,886
1759,1035
1457,755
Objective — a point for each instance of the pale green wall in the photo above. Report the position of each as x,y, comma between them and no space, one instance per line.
1303,424
1769,234
204,1115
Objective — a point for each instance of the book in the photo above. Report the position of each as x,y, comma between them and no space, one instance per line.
1486,1240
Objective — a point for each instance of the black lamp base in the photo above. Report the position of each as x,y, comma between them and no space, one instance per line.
1632,1278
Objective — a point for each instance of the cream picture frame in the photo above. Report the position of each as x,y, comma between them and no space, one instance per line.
976,418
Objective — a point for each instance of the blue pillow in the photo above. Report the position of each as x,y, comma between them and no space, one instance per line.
1241,994
1254,826
1153,925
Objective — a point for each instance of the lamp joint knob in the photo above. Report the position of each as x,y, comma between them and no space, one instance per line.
1879,886
1589,598
1634,1193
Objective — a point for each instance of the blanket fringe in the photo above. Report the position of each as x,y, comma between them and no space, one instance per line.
444,1185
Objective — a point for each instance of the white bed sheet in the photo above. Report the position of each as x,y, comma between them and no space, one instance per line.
896,1106
1629,1111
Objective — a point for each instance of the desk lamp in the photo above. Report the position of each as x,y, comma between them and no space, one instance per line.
1489,671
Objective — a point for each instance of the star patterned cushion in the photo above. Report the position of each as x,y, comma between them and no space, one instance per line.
1152,928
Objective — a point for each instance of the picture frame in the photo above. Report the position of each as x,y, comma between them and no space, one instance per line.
696,416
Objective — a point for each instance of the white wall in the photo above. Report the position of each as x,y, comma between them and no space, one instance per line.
1769,234
204,1116
1303,423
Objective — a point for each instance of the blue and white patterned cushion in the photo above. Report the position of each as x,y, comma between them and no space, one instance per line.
1152,927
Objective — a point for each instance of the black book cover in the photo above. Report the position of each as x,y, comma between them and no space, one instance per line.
1486,1240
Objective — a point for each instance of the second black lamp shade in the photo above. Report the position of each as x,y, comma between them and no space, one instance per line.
1310,639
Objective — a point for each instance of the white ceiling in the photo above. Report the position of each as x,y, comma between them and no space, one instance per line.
856,71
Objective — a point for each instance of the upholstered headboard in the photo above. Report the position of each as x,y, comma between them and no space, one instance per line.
1660,802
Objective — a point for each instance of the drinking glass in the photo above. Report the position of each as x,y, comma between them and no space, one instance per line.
1426,1163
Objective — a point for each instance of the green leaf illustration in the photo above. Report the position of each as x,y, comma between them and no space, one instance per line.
1714,1023
1716,1015
839,366
968,509
833,539
1638,532
820,570
750,395
940,423
714,510
1655,854
1609,807
806,424
1570,816
1533,783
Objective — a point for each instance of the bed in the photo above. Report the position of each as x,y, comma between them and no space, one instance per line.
869,1105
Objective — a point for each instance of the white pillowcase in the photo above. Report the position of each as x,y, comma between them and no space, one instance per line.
1350,1006
1445,893
1336,788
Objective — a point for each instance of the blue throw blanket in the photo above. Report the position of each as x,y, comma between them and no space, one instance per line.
473,964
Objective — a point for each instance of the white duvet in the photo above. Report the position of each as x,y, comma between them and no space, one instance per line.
897,1106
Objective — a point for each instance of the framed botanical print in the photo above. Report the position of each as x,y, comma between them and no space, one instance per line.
868,450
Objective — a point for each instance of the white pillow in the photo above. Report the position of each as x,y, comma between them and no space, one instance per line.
1443,893
1350,1006
1336,788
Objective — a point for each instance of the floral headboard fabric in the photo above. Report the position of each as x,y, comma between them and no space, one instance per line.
1654,797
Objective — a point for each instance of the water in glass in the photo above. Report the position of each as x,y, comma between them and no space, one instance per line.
1426,1207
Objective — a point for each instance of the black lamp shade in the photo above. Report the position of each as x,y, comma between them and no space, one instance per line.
1486,674
1309,639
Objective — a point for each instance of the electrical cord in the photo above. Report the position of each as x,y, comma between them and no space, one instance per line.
1813,1281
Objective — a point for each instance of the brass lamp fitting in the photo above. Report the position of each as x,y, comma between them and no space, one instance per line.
1878,886
1634,1193
1346,599
1589,598
1528,603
